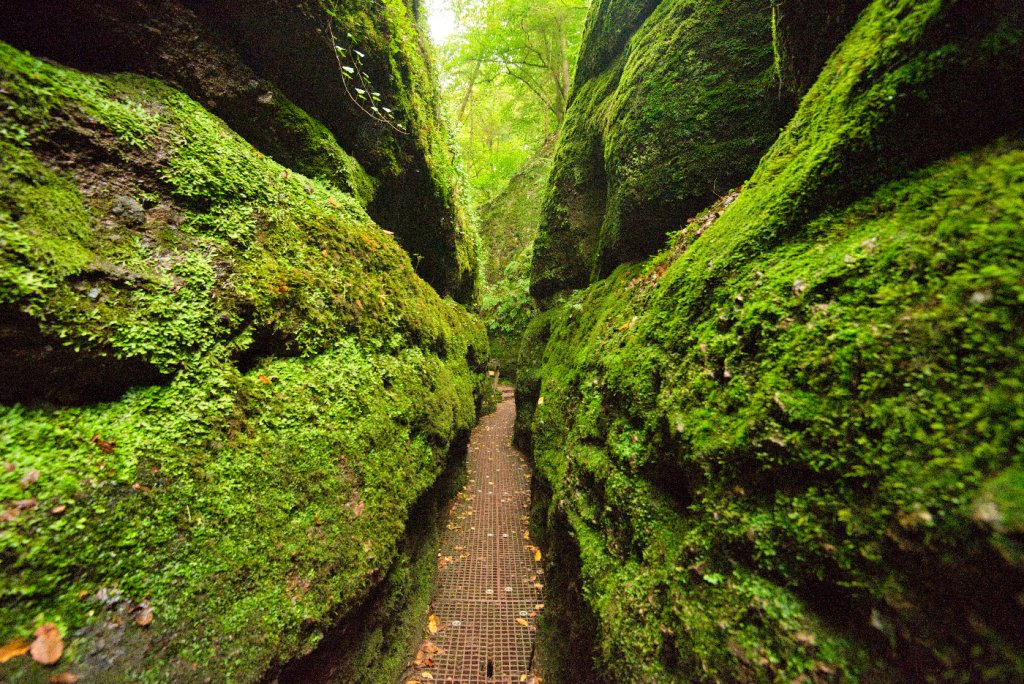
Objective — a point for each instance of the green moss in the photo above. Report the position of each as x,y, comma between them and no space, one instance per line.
313,386
681,115
421,168
783,444
310,149
784,440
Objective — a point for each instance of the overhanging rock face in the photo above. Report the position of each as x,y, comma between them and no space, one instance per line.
271,71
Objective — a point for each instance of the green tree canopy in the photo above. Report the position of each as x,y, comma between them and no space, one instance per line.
507,73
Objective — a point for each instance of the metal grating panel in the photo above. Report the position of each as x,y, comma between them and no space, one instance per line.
488,590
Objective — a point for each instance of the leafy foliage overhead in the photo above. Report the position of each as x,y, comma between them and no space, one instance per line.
508,75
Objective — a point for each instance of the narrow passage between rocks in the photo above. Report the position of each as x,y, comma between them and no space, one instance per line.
487,595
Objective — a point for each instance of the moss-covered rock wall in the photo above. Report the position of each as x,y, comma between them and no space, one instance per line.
224,389
336,90
508,227
673,104
788,447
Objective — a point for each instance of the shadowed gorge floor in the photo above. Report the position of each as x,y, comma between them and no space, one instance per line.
487,594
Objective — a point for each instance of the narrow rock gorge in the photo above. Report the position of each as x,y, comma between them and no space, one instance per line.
755,267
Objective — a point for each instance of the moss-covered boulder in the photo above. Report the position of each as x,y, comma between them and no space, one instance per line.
788,447
680,112
224,389
341,91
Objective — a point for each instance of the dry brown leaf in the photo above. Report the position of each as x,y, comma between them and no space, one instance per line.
103,445
57,510
13,649
64,678
536,555
9,467
433,624
423,658
145,617
538,585
48,646
526,536
333,202
412,681
427,677
29,479
264,379
521,621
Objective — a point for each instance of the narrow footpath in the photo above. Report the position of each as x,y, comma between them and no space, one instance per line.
487,594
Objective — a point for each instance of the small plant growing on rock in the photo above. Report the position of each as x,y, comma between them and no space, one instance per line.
358,84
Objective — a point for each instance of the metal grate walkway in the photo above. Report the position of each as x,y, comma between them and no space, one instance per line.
488,590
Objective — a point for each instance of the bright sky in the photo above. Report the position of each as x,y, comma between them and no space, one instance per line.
441,20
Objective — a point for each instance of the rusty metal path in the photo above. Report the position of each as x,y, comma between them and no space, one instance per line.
487,594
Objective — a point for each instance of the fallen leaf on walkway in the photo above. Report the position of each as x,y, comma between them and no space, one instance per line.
13,649
538,585
526,535
536,555
521,621
428,649
432,624
427,677
48,646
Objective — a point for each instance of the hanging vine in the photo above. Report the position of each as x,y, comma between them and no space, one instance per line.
358,85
